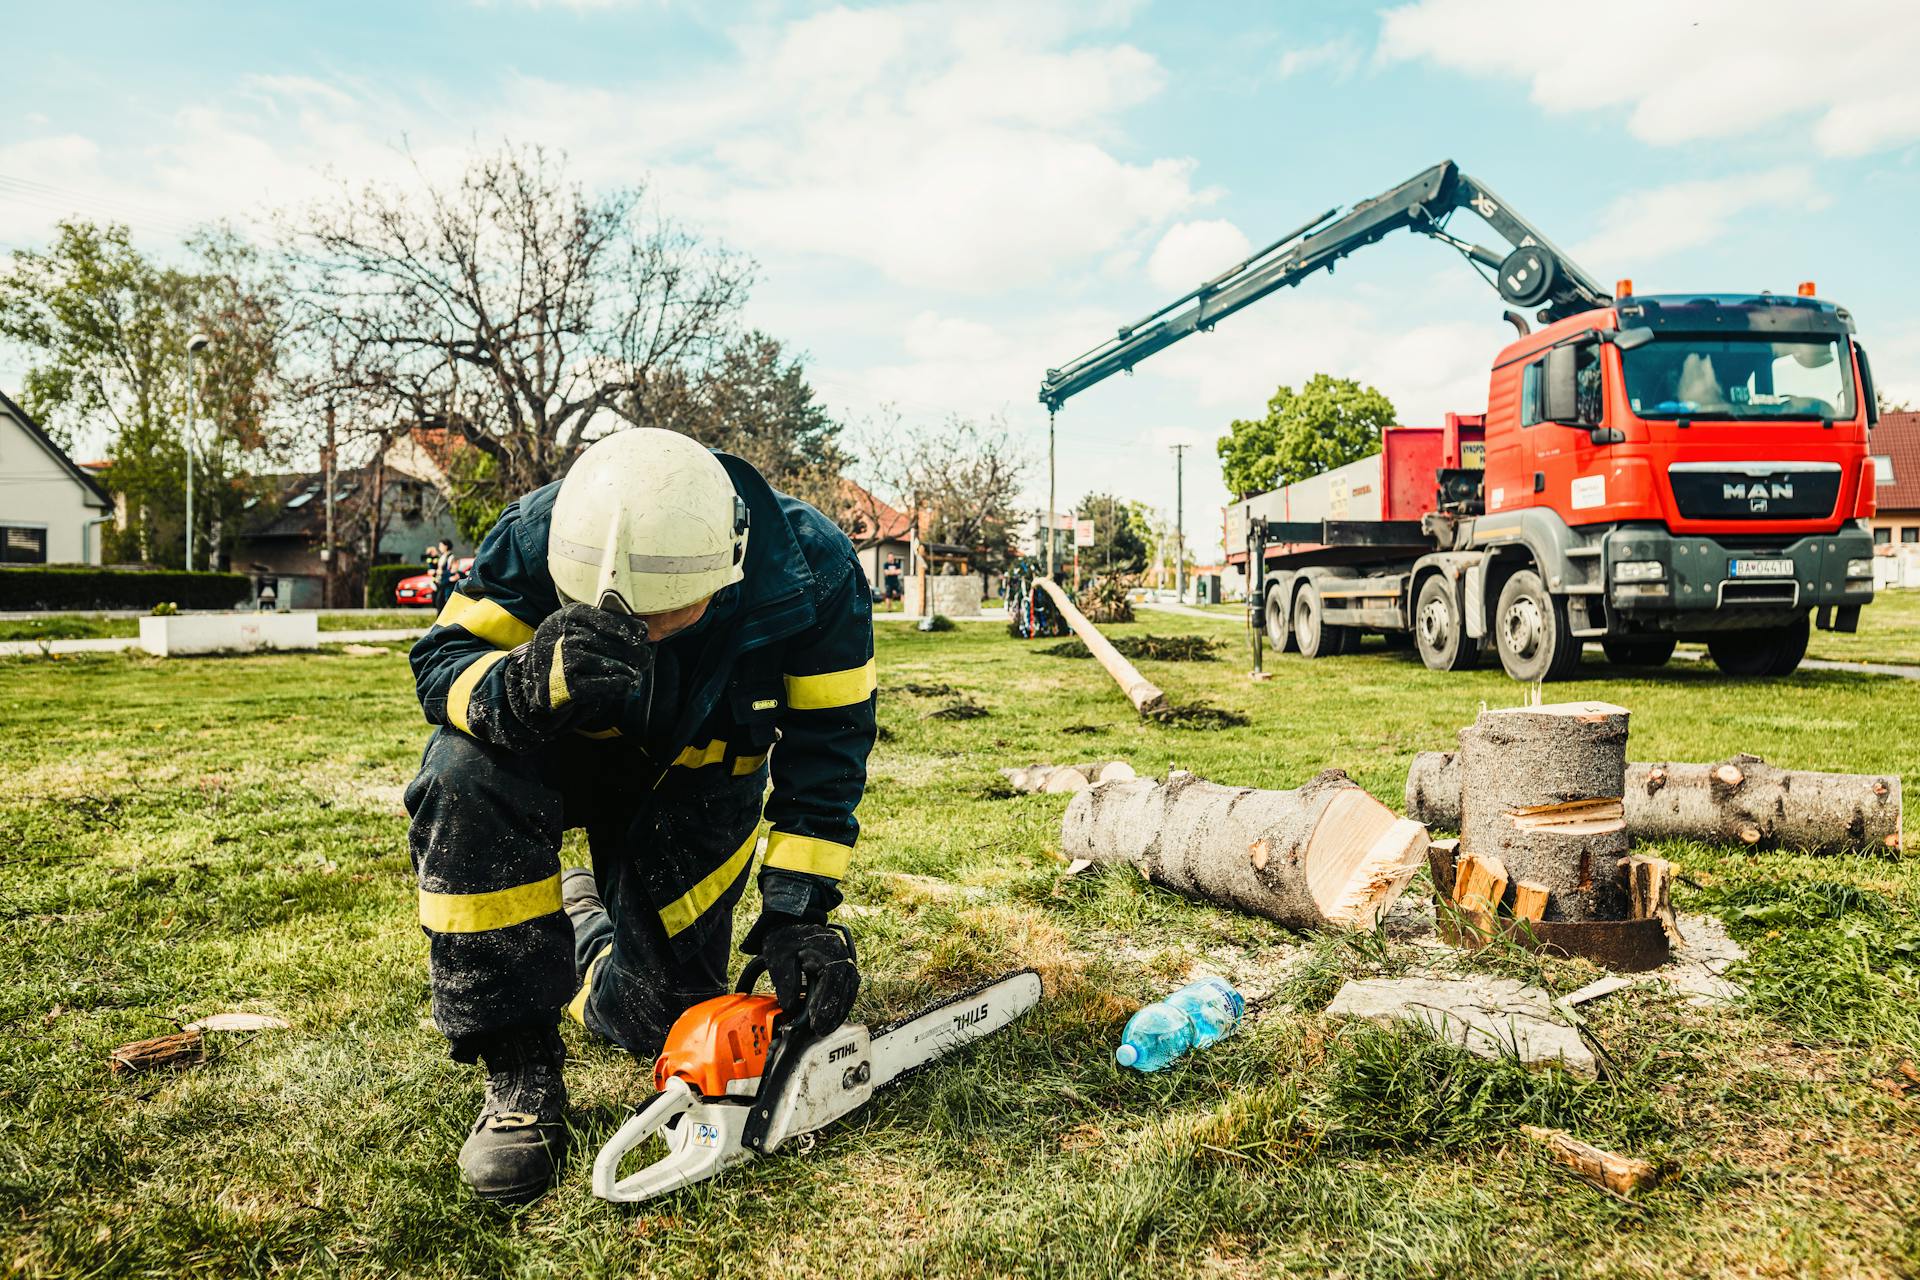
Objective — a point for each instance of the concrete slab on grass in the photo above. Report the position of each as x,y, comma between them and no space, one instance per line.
1491,1017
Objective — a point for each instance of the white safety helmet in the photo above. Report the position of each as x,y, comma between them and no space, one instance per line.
646,522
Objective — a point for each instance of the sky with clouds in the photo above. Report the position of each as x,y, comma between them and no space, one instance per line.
944,199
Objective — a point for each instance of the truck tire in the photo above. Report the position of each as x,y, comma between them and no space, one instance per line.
1531,631
1439,630
1639,651
1315,637
1770,651
1279,629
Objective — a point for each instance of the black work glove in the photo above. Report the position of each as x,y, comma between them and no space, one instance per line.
582,662
811,966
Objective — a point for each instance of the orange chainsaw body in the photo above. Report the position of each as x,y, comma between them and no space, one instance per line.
717,1042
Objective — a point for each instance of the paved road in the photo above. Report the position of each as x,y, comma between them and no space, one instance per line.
31,648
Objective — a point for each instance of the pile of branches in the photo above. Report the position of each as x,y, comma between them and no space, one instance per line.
1106,600
1150,647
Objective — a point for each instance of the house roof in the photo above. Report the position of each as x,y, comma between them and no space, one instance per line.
1898,438
60,455
862,503
293,505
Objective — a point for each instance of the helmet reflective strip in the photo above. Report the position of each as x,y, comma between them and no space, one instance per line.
578,552
680,564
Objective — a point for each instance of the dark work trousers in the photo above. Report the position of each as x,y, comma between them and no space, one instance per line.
671,855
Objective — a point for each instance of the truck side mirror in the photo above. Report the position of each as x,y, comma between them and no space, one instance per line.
1560,386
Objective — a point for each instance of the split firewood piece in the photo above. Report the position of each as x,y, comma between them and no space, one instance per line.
1142,692
1529,901
180,1049
1540,790
1649,884
1326,854
1742,801
1622,1175
1479,883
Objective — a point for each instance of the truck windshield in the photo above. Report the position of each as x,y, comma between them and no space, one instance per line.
1740,378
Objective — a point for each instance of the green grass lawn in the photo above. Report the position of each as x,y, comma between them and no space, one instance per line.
85,626
184,837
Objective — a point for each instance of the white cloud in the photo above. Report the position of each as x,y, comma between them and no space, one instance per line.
1340,57
1191,252
1646,225
1685,72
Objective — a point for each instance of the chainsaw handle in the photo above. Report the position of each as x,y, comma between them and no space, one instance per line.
757,965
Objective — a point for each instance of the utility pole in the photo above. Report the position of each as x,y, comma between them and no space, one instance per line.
198,342
1050,493
1179,523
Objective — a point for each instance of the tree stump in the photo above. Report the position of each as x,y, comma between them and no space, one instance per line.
1741,801
1541,791
1324,855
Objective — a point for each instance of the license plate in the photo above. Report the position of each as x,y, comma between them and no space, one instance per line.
1760,568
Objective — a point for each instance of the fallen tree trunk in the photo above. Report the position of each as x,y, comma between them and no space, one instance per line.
1325,854
1540,795
1744,800
1142,692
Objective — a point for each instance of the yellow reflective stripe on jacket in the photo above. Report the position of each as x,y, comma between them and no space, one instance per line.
499,909
691,905
832,688
748,764
468,680
598,734
788,852
577,1007
700,757
485,619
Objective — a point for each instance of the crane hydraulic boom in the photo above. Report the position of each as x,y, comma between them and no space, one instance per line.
1533,273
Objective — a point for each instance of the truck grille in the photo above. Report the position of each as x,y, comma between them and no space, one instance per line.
1754,490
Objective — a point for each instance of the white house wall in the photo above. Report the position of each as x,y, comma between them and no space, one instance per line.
38,492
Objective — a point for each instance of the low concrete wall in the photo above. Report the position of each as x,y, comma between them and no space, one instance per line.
956,597
228,633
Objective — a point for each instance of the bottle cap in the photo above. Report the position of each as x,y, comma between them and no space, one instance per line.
1126,1055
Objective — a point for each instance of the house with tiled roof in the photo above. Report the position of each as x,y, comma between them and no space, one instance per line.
1895,446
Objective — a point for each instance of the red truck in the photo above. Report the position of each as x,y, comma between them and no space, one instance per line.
1650,468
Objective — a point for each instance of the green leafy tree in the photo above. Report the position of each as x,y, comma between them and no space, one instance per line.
1326,424
1118,546
106,330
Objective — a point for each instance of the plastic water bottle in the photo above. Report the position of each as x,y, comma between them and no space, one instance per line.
1193,1017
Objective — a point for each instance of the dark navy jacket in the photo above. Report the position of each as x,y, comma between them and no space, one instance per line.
787,654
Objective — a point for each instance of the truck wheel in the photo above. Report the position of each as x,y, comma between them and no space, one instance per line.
1316,638
1439,632
1279,634
1531,631
1648,651
1771,651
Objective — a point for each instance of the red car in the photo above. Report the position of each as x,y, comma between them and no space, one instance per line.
417,591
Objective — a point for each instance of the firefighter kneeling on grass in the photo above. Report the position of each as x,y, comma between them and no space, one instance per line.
623,656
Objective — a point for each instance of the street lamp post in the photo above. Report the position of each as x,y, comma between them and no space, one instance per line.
198,342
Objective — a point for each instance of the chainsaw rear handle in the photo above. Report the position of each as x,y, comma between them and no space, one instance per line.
757,965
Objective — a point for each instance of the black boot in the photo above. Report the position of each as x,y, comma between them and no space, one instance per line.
520,1139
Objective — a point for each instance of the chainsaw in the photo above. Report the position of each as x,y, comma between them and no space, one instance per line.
737,1078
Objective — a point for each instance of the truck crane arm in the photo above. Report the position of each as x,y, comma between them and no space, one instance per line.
1534,273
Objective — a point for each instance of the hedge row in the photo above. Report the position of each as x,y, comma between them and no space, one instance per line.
62,587
381,580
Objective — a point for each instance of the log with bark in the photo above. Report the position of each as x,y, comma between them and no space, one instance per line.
1142,692
1326,854
1741,801
1540,795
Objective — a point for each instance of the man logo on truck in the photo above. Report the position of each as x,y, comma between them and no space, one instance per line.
1759,491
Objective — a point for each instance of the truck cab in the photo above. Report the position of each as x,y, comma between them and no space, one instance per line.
1681,466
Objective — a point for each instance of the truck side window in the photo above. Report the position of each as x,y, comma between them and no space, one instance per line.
1589,404
1530,394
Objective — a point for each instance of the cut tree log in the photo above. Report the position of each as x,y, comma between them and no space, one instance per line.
1540,791
1066,777
1142,692
1649,883
1324,855
1741,801
1622,1175
1479,883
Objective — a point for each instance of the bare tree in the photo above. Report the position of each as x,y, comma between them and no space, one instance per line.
510,307
959,480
